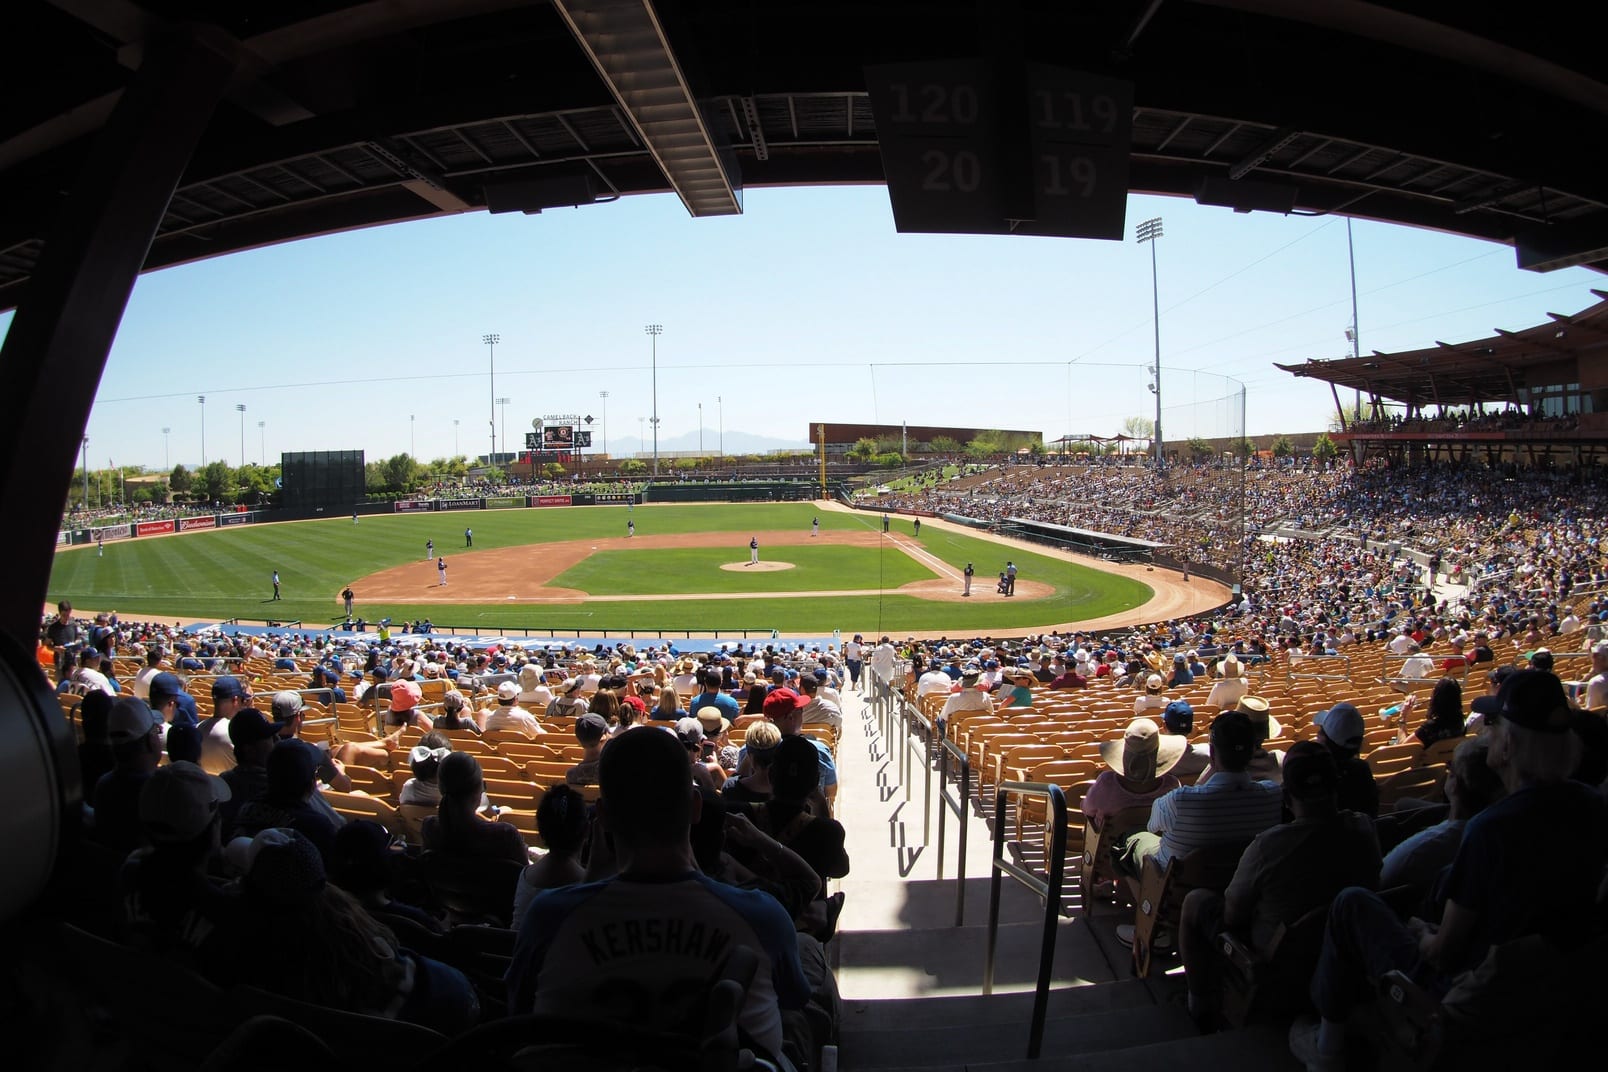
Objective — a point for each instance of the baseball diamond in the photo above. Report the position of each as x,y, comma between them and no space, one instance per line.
555,568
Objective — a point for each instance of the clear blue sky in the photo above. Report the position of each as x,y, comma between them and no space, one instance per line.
808,307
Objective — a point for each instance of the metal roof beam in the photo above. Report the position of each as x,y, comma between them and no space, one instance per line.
628,46
1262,153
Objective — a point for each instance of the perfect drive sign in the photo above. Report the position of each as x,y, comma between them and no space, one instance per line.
975,147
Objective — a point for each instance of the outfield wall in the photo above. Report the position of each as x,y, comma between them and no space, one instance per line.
243,516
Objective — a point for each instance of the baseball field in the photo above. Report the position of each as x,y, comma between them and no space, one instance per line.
576,571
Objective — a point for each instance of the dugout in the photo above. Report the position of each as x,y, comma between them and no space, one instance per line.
1106,545
740,491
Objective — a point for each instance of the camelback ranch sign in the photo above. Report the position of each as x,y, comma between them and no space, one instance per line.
502,502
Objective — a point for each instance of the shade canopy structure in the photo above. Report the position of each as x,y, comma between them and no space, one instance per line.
336,115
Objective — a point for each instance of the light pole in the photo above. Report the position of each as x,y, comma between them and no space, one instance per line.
654,331
165,432
642,433
413,442
1355,335
700,428
240,408
202,399
1149,231
86,472
604,395
503,402
722,411
491,342
262,443
454,437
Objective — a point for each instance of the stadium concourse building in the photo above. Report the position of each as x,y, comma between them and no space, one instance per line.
841,437
1536,396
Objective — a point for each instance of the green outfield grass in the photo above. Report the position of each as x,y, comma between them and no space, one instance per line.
225,573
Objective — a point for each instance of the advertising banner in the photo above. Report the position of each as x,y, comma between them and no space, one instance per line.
188,524
457,504
550,500
411,506
503,502
603,498
153,528
235,519
583,498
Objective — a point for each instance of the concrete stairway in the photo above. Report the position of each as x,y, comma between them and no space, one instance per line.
911,979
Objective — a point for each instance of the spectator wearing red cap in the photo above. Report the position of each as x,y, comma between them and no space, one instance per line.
785,708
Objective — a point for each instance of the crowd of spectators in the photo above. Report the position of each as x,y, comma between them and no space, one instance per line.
216,821
121,513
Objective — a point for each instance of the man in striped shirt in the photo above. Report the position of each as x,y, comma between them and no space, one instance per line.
1227,807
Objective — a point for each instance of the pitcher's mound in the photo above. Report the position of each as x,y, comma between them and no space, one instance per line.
756,567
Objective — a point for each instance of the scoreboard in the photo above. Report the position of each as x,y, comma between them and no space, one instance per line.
974,147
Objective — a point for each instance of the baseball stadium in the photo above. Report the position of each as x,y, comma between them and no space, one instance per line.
996,632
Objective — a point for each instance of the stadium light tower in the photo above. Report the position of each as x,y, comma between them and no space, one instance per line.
165,433
604,395
654,331
454,437
491,342
722,419
262,443
503,402
413,442
202,399
642,434
86,473
240,408
700,429
1149,231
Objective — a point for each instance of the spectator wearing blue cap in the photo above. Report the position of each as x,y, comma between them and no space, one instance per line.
292,781
1178,718
230,696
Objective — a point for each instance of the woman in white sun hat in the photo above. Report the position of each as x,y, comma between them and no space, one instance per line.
1230,684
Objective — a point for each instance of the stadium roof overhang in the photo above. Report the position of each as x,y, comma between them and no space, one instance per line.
349,114
1567,350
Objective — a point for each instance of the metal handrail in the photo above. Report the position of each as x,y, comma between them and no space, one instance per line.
960,803
899,720
1049,889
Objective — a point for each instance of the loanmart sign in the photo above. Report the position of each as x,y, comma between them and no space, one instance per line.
457,504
